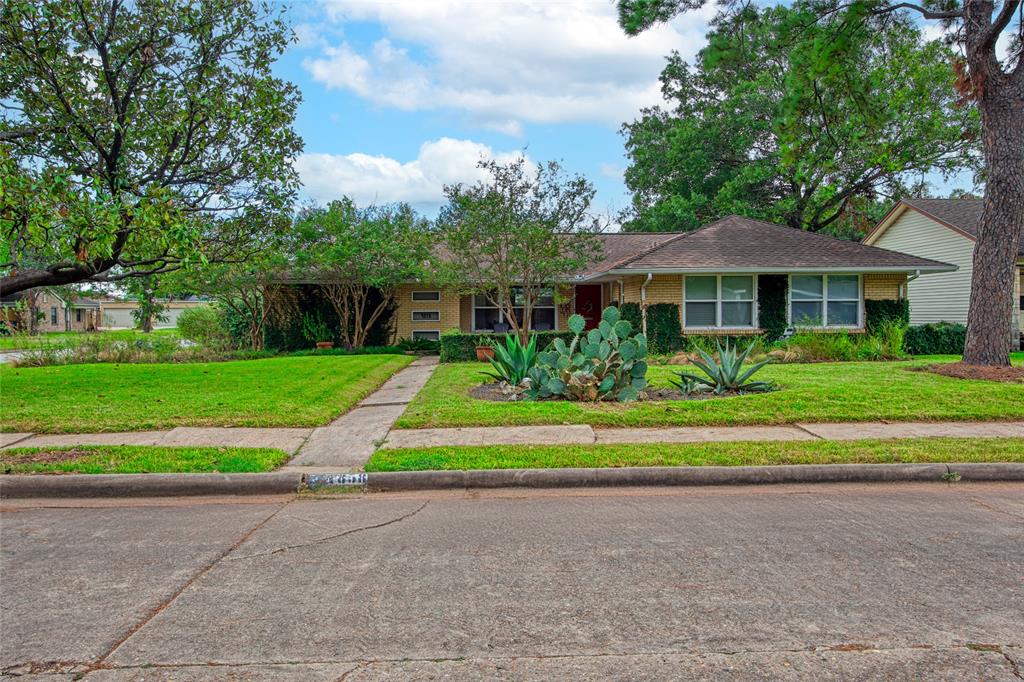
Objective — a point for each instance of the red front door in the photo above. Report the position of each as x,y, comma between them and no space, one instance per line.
588,303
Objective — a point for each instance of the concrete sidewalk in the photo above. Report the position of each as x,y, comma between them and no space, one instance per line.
585,435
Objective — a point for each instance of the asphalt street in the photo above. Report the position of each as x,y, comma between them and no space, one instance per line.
885,581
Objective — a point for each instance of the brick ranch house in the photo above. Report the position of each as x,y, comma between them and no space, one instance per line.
716,275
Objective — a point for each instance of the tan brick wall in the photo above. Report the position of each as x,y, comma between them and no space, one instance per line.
449,307
879,287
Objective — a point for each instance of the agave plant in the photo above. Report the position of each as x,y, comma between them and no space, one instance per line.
513,361
727,374
606,363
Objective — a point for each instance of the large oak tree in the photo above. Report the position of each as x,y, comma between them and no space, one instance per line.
749,129
139,136
994,82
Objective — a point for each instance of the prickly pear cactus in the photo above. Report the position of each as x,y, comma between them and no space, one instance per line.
606,363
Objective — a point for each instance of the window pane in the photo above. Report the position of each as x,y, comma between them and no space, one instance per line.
543,319
430,336
426,316
806,287
480,300
842,313
737,314
701,289
700,314
806,313
843,287
484,319
426,296
737,288
546,297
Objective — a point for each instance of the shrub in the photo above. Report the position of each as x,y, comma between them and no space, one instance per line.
664,333
606,363
458,346
877,313
727,374
939,338
204,325
513,361
771,305
420,345
314,329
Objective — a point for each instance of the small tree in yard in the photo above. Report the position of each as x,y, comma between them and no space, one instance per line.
350,252
149,310
515,236
991,80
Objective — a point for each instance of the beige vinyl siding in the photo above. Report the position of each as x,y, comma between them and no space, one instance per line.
935,296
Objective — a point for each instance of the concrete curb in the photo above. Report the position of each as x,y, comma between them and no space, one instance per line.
695,476
148,485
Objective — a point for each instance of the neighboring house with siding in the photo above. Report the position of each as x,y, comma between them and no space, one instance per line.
944,230
120,314
712,274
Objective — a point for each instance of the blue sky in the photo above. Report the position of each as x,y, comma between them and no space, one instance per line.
403,96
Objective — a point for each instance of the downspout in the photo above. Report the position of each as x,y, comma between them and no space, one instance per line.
622,293
643,302
906,285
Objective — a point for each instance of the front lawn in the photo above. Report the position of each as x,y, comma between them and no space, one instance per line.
128,459
24,341
823,392
288,391
702,454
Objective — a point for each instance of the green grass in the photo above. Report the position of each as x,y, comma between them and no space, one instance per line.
24,341
841,391
288,391
701,454
134,459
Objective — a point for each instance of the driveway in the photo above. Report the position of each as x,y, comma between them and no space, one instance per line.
780,582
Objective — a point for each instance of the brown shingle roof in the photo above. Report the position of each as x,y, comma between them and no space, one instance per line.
735,242
962,215
619,247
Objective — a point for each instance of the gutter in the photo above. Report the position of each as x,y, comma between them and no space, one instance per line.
643,302
785,270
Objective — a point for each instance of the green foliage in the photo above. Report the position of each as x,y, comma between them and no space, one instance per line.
886,342
315,329
152,136
204,325
513,237
360,257
631,313
664,332
939,338
878,311
458,346
763,125
771,305
606,363
417,345
725,374
513,361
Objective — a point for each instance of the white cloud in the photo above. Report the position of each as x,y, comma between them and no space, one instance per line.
505,62
611,170
381,179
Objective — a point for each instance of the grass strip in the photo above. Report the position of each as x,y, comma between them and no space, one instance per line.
744,453
139,459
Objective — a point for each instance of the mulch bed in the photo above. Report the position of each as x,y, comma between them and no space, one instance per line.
494,393
959,370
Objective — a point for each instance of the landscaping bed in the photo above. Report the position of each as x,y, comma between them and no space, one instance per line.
128,459
819,392
499,393
960,370
759,453
288,391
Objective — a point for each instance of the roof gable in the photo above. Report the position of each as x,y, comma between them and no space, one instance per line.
959,215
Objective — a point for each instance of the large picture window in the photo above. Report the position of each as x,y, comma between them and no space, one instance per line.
824,300
487,317
722,301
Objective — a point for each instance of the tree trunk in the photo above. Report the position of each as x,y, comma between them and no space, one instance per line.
990,317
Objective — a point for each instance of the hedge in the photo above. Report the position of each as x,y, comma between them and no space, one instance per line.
461,347
939,338
877,312
771,305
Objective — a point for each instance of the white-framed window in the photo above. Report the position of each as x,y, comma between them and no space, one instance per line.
719,301
426,316
429,335
825,301
486,315
421,295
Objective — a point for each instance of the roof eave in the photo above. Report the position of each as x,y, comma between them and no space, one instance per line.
784,270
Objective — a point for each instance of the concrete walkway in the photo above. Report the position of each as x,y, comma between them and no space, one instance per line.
347,442
585,435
